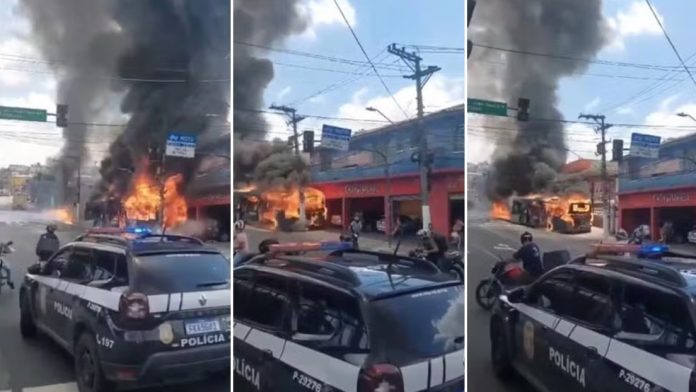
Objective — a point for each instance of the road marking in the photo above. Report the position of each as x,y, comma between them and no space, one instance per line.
503,247
67,387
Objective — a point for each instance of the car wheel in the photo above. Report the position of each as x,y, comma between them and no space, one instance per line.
88,372
500,356
26,320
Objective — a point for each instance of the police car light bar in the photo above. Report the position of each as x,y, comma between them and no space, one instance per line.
138,230
639,250
326,246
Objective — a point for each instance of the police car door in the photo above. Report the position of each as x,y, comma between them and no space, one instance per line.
535,335
76,273
655,346
46,294
584,331
262,315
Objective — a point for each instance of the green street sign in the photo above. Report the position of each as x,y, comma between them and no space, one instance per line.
23,114
486,107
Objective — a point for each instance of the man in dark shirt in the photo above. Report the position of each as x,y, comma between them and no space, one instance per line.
48,243
530,255
435,246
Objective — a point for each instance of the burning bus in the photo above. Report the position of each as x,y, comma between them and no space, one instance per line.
279,207
563,214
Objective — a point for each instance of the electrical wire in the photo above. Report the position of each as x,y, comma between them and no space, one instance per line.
362,49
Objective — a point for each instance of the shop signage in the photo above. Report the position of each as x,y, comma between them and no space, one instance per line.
645,146
360,189
674,197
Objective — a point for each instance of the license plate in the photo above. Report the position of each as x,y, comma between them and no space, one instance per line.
202,326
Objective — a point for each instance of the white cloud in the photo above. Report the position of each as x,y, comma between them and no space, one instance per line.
624,110
632,21
666,114
590,106
324,13
581,141
282,93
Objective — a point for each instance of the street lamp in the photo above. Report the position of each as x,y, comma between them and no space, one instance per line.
371,109
682,114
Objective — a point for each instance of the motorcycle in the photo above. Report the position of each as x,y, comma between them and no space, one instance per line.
452,262
504,274
5,249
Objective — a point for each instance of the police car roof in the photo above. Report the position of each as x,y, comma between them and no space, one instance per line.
148,243
371,274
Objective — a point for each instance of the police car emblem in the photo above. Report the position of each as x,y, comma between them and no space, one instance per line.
528,339
202,300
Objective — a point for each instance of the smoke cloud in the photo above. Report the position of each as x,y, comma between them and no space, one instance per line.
530,161
169,59
259,23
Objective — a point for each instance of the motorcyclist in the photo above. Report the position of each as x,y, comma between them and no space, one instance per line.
530,255
355,229
48,243
640,234
435,247
6,274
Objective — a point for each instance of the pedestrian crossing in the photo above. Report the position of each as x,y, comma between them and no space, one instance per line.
67,387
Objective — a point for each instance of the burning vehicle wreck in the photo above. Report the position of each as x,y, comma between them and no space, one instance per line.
570,214
279,208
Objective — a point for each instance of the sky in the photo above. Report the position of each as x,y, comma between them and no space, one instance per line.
377,24
625,94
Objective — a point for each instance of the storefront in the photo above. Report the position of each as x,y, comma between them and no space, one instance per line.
368,198
677,205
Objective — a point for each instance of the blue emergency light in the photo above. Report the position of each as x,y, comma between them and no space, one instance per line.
332,246
138,230
652,250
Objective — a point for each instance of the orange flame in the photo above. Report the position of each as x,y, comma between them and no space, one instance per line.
64,215
288,201
564,207
144,200
500,210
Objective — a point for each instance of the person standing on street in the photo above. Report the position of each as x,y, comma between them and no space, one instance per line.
398,230
355,229
48,243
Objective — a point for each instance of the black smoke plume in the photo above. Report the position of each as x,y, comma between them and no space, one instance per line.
169,59
563,27
258,23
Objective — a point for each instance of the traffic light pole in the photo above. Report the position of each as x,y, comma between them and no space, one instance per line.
294,119
421,76
602,130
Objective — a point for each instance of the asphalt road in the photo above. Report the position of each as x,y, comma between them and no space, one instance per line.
39,365
486,240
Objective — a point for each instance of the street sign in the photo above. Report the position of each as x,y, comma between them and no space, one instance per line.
181,145
23,114
645,146
481,106
335,137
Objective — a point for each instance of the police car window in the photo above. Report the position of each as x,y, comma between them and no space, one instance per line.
78,267
554,293
243,288
656,321
591,301
269,292
104,265
331,314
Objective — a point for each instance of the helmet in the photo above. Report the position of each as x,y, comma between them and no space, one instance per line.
526,237
422,233
51,228
239,225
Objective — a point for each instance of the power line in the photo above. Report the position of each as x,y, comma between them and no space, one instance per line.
329,70
362,49
674,48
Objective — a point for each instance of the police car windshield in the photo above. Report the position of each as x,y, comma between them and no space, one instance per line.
177,272
419,325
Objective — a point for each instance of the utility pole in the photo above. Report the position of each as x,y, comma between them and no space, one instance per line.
294,119
421,76
602,151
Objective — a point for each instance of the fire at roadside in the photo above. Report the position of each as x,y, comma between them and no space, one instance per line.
278,208
568,214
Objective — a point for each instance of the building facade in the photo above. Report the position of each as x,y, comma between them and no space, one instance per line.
359,181
656,191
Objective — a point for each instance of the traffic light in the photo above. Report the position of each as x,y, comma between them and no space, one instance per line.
62,116
471,4
523,109
308,141
617,150
600,149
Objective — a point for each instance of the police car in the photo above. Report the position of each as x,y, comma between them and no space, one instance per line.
133,310
346,320
604,322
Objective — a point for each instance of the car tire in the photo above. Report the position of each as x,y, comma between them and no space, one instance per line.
501,361
88,371
26,320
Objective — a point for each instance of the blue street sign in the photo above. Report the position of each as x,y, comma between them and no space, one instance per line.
181,145
645,146
335,137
